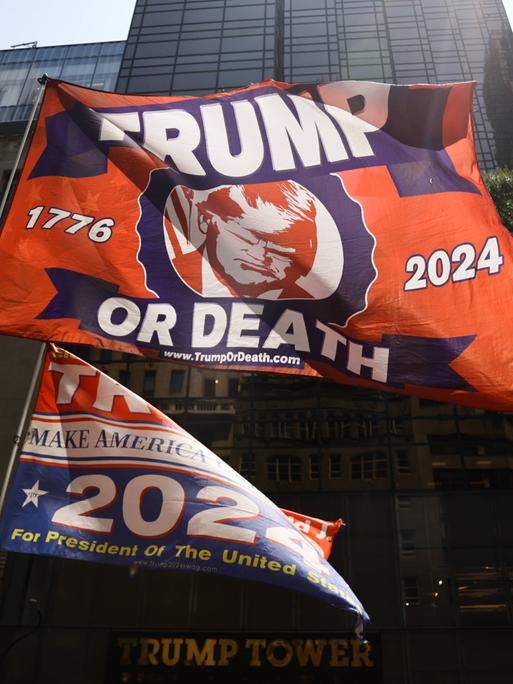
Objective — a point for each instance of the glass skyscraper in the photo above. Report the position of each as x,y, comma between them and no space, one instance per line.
425,487
95,65
196,46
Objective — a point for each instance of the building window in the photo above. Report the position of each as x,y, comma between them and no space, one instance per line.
306,426
314,466
245,424
209,388
5,177
233,387
481,594
259,424
337,426
176,381
407,542
335,466
411,591
149,384
105,355
3,563
403,461
368,465
282,426
247,466
124,377
364,427
404,503
283,468
397,426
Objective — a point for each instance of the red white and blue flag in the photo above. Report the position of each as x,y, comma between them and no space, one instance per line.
104,476
340,230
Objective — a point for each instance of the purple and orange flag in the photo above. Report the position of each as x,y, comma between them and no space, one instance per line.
338,230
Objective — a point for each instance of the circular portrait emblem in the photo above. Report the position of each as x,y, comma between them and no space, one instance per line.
265,241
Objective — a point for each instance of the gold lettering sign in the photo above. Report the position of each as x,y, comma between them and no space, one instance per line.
209,651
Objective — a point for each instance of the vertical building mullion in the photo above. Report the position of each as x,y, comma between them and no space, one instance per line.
405,640
221,38
279,35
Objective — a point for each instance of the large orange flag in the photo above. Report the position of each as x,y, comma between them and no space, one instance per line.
340,230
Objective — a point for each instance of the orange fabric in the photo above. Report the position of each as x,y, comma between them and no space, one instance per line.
401,226
321,532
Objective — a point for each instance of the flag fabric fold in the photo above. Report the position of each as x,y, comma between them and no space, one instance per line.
104,476
320,532
340,230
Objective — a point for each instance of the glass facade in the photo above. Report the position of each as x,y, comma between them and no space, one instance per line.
197,46
188,47
425,488
94,65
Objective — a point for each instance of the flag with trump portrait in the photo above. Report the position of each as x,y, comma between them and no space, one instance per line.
104,476
339,230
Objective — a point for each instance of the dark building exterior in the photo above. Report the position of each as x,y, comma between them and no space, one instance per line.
425,488
95,65
498,93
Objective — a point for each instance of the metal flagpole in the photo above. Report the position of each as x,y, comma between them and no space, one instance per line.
23,424
43,80
29,402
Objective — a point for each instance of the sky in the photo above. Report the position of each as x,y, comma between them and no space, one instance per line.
59,22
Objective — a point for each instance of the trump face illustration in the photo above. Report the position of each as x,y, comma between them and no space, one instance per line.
255,240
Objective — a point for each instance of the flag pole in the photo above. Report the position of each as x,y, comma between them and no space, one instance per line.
43,80
23,424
